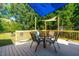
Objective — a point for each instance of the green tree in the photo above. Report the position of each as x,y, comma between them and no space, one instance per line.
25,16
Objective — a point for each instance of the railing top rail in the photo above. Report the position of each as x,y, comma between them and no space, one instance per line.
49,30
66,30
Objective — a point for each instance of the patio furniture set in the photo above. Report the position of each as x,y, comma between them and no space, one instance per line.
48,37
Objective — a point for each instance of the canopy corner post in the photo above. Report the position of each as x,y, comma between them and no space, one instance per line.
35,23
58,21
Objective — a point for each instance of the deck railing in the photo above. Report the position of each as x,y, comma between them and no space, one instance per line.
69,34
25,35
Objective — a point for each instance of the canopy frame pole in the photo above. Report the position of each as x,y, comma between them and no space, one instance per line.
58,23
35,23
45,28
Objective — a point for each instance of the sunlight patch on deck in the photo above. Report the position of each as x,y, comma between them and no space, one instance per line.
19,43
63,41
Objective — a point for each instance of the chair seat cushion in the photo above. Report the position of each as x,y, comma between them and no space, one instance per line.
49,39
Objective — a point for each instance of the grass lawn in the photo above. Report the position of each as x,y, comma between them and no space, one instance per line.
4,42
5,35
5,39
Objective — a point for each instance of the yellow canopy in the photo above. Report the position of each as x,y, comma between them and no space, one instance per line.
52,19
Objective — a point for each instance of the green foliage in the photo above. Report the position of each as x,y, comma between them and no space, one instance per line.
25,17
69,14
6,25
4,42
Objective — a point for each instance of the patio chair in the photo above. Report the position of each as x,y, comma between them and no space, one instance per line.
36,38
52,38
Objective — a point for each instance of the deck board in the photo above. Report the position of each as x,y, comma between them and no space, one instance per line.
32,49
0,51
18,51
28,50
25,50
22,51
7,50
10,50
14,50
3,51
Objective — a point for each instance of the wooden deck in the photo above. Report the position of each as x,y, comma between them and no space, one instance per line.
66,49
